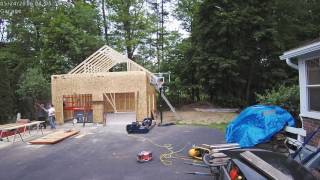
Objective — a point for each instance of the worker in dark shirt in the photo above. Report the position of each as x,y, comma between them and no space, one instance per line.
42,115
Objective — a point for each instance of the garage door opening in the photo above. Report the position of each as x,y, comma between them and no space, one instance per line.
119,108
78,106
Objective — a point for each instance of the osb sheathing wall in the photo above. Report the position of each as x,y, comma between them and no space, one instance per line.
151,98
125,102
76,100
99,83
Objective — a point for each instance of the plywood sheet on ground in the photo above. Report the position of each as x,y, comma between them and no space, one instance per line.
55,137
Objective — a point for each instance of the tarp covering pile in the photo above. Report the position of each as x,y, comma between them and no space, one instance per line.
257,124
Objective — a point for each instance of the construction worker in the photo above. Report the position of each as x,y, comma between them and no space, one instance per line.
42,116
51,115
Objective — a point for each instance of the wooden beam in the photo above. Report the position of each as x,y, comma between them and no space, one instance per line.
102,60
153,103
110,102
136,98
96,63
107,66
125,101
76,69
113,97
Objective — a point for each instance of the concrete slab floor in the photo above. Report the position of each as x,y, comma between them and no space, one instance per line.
100,152
120,118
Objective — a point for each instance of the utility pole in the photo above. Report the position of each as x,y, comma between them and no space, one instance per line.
158,37
159,9
2,30
105,26
162,33
162,15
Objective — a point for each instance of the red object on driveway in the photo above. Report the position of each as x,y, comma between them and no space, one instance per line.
144,156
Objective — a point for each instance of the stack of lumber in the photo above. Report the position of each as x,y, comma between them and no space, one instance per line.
55,137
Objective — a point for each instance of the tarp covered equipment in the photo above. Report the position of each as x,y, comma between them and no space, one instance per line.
257,124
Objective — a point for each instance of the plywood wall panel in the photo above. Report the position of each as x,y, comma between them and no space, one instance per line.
99,83
97,112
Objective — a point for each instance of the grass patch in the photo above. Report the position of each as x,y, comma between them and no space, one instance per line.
220,126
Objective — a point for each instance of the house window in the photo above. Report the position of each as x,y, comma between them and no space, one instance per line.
313,84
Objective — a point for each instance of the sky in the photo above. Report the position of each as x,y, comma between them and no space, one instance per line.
172,24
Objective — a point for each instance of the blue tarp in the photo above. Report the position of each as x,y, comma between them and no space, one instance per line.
257,124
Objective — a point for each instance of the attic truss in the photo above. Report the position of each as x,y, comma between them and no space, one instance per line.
104,59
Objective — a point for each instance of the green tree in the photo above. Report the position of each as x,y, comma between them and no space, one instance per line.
50,39
6,95
132,25
176,62
33,88
185,11
237,43
70,36
34,84
13,61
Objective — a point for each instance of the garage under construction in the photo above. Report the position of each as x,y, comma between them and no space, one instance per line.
91,88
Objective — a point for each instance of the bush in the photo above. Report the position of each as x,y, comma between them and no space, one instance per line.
285,97
34,85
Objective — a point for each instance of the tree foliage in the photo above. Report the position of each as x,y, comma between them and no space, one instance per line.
234,47
6,95
132,24
45,40
185,12
33,88
34,84
71,35
286,97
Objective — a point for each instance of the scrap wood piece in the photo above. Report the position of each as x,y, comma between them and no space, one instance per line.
55,137
111,101
263,166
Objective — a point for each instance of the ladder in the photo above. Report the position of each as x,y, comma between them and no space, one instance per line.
157,86
170,106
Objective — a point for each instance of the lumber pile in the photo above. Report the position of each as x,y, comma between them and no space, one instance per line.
55,137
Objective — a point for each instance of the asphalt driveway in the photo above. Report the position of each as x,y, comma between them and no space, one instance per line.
100,153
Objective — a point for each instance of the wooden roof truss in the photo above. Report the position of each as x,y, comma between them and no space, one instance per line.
104,59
